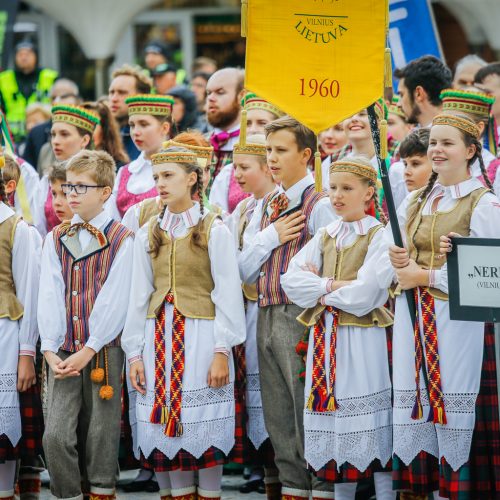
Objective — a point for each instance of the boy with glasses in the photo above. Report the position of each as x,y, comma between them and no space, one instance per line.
83,300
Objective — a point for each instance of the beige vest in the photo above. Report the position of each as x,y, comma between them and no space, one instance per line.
149,208
10,307
249,290
343,265
423,231
183,268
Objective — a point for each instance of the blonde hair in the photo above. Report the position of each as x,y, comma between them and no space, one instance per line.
11,171
37,107
99,164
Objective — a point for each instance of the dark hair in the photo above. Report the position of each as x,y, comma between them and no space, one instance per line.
57,171
485,71
188,97
429,73
415,144
111,140
196,189
304,136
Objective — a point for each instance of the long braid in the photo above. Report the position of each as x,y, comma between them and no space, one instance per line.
378,208
479,157
428,188
196,235
156,234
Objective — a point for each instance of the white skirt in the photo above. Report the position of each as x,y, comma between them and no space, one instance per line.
207,414
360,430
10,417
460,345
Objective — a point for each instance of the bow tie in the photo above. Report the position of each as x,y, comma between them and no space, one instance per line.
220,139
278,204
91,229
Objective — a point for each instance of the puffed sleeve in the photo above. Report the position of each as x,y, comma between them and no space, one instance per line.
303,287
51,301
219,193
229,328
364,293
321,216
25,271
140,293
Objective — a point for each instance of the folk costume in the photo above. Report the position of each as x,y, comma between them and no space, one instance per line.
453,421
134,182
225,191
253,446
185,305
84,286
83,119
264,260
348,410
18,337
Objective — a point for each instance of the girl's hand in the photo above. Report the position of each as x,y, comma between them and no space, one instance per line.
412,276
76,362
26,375
218,374
137,376
399,257
445,245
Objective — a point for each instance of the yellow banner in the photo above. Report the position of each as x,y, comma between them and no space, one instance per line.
320,61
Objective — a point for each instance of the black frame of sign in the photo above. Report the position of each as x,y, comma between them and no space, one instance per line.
458,311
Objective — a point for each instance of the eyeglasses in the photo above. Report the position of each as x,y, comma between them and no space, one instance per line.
79,188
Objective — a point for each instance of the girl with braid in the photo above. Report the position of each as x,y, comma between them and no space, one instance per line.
186,314
445,433
348,411
19,275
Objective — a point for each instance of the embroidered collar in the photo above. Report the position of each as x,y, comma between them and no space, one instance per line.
5,212
138,164
360,227
189,217
457,191
99,221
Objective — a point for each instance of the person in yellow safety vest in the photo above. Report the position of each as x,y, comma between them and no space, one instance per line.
157,53
22,86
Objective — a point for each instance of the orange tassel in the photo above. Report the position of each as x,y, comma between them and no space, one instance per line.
331,404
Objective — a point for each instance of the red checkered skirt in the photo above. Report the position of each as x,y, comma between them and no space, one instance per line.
184,461
348,473
7,451
480,476
242,447
30,403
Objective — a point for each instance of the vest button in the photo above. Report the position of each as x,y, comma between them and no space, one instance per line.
261,296
77,268
74,292
75,318
77,342
262,274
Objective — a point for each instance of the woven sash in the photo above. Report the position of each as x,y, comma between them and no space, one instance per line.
161,414
98,235
320,398
436,400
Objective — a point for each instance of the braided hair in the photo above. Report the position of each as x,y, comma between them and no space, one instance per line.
378,208
472,141
3,192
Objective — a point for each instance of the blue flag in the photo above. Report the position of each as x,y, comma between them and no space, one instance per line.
412,31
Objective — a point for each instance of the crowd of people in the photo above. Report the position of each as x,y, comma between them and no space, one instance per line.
177,292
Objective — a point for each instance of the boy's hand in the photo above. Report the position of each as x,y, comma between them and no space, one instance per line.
289,227
137,376
399,257
218,374
26,375
54,361
77,361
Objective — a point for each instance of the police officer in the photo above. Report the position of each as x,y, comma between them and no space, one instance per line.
24,85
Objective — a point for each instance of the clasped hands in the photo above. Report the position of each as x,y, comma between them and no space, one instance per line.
71,366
